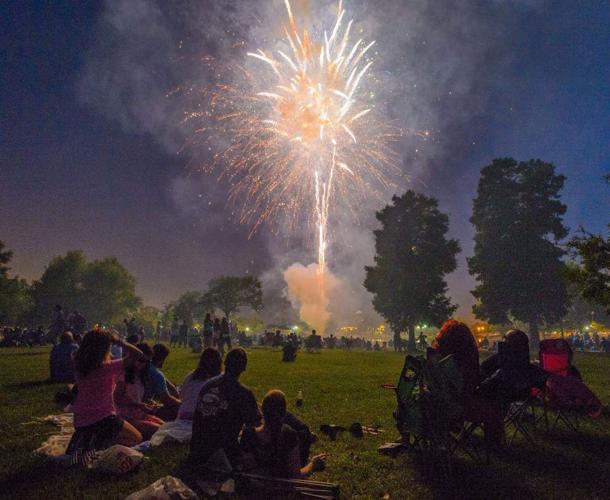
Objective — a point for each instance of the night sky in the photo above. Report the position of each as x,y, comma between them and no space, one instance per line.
534,82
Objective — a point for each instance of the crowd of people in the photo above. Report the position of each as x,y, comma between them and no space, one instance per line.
589,341
125,397
119,393
489,388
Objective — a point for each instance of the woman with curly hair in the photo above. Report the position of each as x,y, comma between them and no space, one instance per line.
455,338
97,425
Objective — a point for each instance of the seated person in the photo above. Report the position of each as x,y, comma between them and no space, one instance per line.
129,394
159,389
273,448
223,408
508,375
61,361
97,425
456,338
210,364
289,352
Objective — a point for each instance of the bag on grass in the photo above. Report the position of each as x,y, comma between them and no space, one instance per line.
178,431
117,460
166,488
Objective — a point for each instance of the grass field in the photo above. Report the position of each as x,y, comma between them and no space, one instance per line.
339,387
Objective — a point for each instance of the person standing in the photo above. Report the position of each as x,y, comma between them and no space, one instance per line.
183,331
58,325
216,335
397,342
173,334
208,331
225,336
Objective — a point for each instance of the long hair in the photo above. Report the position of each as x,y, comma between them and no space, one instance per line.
456,338
210,364
92,352
130,371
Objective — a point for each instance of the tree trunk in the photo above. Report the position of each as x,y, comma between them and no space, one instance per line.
534,333
411,346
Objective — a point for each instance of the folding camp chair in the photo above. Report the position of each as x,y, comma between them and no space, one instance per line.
555,357
272,487
429,414
518,417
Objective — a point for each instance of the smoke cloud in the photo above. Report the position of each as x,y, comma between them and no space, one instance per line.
438,66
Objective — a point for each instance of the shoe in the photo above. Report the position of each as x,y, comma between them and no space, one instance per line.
331,430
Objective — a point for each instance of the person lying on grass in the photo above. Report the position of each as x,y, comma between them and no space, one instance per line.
129,394
97,425
273,448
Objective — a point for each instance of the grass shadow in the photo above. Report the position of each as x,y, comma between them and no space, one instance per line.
32,385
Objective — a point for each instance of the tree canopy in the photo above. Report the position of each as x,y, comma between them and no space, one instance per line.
102,290
593,275
517,261
412,257
190,307
15,297
230,293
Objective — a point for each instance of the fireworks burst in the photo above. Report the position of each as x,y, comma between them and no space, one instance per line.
303,133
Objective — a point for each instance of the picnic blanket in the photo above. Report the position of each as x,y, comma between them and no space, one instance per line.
166,488
56,444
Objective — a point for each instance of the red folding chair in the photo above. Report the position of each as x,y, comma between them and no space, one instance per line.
556,358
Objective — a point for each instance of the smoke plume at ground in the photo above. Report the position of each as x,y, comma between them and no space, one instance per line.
310,292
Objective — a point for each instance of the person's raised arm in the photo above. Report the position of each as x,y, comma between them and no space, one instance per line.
130,348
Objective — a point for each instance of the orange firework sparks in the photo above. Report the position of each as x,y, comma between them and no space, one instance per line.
303,134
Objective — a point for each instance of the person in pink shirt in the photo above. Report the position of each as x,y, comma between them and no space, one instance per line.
97,425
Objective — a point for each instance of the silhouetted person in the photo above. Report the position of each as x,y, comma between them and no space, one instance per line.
224,406
183,332
225,336
61,361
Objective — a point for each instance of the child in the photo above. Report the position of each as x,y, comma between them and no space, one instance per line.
96,423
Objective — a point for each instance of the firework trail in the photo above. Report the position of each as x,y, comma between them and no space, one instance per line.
314,103
299,133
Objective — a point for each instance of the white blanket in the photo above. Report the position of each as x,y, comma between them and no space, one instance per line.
178,430
56,444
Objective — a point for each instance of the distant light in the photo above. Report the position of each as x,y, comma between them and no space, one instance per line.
247,329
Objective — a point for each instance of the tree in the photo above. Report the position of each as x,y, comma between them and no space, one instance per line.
190,307
230,293
109,291
582,312
5,258
61,283
148,317
517,262
593,276
412,258
15,298
102,290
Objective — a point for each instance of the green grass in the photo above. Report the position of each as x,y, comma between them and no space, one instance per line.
339,387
